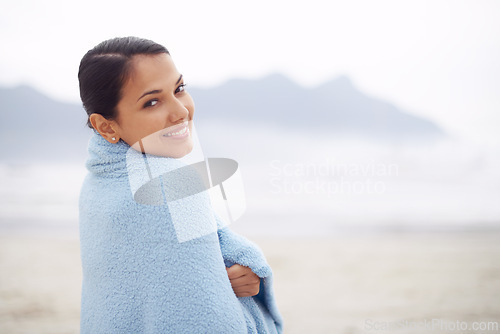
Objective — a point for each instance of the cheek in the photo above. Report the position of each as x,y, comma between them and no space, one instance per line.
144,124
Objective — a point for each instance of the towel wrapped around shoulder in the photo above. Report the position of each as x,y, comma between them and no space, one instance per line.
139,276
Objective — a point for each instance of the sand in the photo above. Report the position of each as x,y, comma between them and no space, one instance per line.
349,284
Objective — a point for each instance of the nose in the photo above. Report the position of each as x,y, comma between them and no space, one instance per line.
178,112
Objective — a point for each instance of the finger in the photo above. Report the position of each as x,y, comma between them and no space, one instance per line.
247,291
236,271
245,280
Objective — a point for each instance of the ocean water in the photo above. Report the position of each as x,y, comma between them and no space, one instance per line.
298,186
40,198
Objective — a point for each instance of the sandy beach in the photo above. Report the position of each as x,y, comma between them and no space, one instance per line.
349,284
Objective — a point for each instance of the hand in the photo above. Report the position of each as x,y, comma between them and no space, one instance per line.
243,280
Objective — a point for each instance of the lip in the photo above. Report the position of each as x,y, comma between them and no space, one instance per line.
180,127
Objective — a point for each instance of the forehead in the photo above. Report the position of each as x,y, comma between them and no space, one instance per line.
149,70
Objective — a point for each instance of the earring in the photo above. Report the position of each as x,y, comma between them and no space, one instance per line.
113,138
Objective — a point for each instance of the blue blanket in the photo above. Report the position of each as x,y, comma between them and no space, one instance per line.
139,278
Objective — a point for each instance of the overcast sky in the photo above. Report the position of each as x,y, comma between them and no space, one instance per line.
439,59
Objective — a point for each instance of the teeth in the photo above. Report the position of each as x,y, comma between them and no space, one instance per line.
180,132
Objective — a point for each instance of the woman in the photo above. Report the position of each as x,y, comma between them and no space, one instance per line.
138,276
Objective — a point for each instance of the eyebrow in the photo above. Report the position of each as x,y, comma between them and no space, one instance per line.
179,80
156,91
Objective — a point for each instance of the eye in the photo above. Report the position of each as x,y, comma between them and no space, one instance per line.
180,88
150,103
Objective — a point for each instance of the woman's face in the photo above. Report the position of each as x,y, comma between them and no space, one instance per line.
155,113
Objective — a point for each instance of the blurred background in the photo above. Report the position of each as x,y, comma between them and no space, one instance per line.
367,134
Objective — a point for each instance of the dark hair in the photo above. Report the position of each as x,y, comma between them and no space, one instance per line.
104,69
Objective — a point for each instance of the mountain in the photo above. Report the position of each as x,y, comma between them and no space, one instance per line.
335,107
34,127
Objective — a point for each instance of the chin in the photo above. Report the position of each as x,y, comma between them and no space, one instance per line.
176,152
165,148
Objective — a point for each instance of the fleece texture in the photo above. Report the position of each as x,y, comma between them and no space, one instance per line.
140,277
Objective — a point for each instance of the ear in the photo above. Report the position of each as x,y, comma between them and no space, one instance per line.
105,127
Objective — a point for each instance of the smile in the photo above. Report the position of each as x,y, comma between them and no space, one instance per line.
179,132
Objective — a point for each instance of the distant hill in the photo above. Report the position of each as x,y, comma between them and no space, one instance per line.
33,126
335,107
